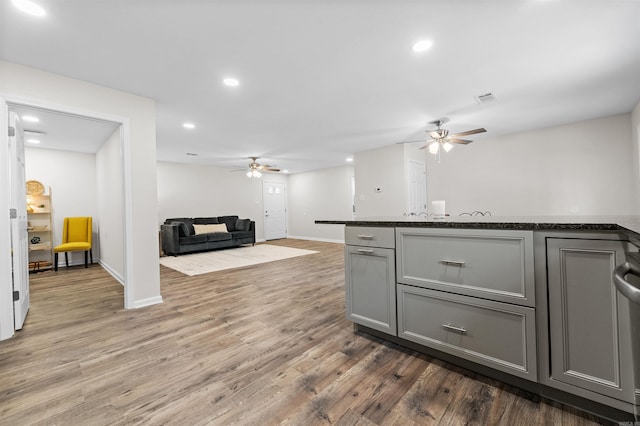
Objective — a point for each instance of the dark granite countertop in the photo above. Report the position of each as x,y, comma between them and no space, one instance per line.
629,225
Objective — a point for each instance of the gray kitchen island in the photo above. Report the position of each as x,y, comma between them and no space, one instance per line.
528,301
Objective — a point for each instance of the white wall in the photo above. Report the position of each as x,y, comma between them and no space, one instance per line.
380,168
186,190
584,168
30,86
110,186
72,179
320,195
635,138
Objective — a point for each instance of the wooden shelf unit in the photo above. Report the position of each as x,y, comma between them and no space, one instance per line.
40,231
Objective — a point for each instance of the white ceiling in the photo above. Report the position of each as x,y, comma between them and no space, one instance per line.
66,132
321,80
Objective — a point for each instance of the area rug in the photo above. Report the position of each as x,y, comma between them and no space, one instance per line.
218,260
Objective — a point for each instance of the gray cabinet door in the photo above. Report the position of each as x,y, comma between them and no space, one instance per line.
370,287
588,319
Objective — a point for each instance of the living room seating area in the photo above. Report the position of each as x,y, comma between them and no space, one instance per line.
188,235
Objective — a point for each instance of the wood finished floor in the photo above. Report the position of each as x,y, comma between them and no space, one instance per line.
263,345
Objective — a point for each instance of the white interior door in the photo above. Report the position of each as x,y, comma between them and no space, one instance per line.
417,187
275,210
19,236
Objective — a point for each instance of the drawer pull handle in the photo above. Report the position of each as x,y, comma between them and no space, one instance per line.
366,237
452,262
365,251
454,328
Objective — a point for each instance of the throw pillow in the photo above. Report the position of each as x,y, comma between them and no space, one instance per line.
230,221
207,229
243,224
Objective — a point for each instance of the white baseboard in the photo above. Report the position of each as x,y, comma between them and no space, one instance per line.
324,240
147,302
112,272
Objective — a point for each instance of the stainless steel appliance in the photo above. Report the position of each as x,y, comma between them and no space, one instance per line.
626,278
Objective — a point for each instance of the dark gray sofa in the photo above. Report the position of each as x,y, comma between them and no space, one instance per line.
179,236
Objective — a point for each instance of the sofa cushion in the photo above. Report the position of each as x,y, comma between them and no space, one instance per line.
243,225
183,229
212,227
237,235
218,236
230,221
205,220
193,239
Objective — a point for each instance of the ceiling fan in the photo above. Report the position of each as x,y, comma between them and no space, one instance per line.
440,138
256,169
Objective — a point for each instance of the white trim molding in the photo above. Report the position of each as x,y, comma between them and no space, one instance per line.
325,240
147,302
112,272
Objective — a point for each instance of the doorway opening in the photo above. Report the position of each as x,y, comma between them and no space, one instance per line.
82,158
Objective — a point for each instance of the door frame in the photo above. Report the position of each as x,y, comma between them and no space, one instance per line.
423,167
6,294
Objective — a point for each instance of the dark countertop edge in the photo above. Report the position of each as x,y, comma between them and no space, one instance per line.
524,226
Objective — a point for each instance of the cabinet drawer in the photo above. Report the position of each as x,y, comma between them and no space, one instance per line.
494,334
370,236
490,264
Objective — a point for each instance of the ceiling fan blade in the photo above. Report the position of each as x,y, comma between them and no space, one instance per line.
270,169
459,141
421,140
469,132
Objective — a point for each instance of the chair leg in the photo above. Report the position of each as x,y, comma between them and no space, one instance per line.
86,257
91,256
66,258
55,261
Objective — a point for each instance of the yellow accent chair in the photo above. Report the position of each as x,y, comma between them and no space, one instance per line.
76,236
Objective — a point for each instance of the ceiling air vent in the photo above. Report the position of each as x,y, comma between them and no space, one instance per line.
485,97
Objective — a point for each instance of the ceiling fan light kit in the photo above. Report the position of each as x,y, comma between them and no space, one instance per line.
255,169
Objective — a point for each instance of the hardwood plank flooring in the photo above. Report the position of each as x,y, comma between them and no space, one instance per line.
263,345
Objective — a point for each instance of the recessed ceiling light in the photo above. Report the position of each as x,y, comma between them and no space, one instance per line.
231,82
30,118
285,171
29,7
349,160
422,45
188,125
33,141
